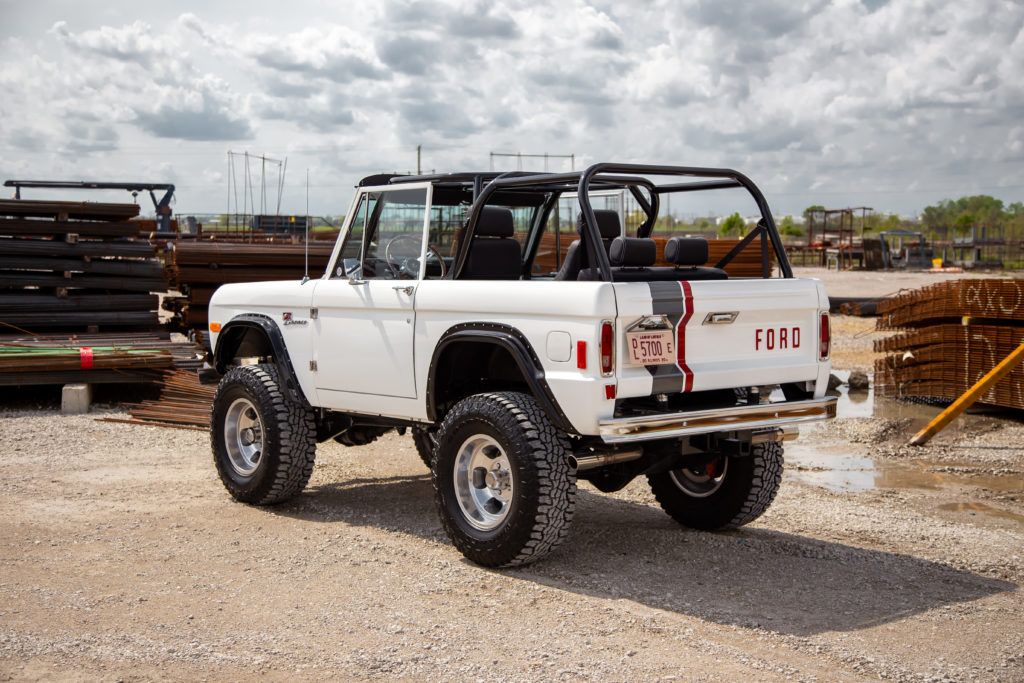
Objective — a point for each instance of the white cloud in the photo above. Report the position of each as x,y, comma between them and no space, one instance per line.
134,43
336,53
822,100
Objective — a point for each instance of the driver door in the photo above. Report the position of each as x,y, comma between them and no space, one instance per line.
363,331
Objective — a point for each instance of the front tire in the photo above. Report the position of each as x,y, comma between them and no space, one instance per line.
724,493
264,444
502,483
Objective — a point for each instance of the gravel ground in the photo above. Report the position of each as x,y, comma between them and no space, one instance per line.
123,558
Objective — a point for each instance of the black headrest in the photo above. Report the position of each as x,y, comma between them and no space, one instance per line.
495,222
607,223
635,252
687,251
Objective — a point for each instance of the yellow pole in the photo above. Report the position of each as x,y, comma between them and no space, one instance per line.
969,397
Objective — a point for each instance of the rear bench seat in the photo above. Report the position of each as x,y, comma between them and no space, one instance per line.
632,260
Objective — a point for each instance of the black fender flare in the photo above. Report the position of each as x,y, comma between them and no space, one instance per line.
273,334
513,341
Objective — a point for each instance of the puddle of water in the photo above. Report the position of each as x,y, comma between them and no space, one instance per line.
973,508
866,404
824,467
841,470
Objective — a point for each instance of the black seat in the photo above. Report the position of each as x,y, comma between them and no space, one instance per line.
631,259
493,253
689,254
608,226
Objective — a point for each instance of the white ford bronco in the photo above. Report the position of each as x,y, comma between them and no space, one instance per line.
523,356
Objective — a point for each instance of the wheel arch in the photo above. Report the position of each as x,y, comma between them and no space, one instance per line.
252,334
482,348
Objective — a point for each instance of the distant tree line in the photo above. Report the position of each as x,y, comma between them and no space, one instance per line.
942,221
950,216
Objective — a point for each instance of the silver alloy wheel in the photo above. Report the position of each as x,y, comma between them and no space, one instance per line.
697,482
483,482
243,436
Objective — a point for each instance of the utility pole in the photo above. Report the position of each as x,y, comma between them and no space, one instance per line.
418,149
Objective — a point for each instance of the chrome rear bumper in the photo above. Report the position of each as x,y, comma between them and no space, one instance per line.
755,417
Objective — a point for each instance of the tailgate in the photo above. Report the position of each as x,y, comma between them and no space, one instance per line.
719,334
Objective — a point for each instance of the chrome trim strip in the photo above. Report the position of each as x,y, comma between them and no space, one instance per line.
762,416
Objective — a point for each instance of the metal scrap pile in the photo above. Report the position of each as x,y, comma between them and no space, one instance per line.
951,334
198,268
75,295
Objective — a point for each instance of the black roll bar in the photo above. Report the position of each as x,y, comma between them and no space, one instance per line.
601,176
755,192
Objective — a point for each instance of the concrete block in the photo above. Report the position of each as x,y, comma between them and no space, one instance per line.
75,399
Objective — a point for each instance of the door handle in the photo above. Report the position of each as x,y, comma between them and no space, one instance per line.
407,289
352,281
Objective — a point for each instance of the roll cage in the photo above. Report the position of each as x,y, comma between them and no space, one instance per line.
544,189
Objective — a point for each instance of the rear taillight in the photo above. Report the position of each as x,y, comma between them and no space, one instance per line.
607,348
825,337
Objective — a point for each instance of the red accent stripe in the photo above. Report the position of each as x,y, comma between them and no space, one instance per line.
681,336
85,357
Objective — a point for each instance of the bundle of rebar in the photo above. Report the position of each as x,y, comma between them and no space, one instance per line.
55,358
183,402
99,358
950,335
986,298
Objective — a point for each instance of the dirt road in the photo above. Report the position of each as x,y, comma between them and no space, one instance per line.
123,558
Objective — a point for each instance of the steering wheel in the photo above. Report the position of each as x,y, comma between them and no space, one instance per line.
408,269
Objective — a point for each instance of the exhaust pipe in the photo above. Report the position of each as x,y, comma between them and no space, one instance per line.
581,463
589,461
787,433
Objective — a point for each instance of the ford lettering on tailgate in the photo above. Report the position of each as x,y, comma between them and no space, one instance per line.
772,338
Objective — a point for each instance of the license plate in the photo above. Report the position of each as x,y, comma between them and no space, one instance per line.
651,347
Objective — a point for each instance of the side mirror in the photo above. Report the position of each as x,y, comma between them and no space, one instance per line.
349,268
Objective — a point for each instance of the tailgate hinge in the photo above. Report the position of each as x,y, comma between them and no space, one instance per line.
312,366
313,312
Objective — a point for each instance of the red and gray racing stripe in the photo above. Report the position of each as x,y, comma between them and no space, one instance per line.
674,300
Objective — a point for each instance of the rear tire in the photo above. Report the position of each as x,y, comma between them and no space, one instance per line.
425,441
502,483
264,444
736,493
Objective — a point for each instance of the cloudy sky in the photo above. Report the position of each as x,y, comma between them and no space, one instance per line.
893,105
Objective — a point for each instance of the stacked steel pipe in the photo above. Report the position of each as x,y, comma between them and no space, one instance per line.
73,268
951,334
61,268
198,268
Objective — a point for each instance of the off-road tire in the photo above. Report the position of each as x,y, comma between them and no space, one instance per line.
748,487
288,430
360,436
543,495
424,440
